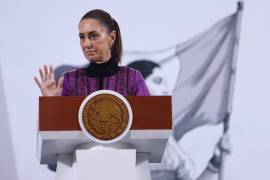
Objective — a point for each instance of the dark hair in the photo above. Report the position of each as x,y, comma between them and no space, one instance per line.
144,66
106,20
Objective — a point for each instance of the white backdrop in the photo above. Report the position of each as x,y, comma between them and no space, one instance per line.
34,33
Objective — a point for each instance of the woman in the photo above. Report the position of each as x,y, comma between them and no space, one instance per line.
101,43
176,164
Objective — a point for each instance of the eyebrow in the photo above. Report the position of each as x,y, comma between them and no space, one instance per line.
91,32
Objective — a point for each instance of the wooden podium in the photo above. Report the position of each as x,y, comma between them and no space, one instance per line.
62,142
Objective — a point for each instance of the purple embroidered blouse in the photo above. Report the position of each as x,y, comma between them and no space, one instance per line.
124,80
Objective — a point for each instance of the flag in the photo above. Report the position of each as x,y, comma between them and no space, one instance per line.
203,87
202,94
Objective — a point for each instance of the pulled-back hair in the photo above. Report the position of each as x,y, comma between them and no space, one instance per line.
145,66
106,20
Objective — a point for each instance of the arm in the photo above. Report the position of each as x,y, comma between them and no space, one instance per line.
209,173
212,170
175,164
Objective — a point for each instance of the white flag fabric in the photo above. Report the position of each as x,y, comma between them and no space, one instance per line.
202,90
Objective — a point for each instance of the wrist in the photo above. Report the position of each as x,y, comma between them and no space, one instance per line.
214,164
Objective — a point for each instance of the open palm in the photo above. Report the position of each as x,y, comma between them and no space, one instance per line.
47,84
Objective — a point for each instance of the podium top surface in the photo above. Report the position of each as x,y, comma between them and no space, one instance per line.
61,113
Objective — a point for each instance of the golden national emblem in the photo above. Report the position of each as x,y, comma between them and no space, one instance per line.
105,116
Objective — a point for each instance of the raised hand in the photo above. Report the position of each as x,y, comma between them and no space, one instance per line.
223,145
47,84
222,148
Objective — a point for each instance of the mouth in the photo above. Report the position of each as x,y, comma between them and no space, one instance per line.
89,53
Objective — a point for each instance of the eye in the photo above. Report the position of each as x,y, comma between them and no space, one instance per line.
93,36
158,80
81,36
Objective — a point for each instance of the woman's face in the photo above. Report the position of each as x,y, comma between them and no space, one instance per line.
156,82
95,40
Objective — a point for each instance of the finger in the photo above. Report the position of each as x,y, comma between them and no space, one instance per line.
41,75
37,81
224,145
46,70
226,148
60,83
52,76
225,139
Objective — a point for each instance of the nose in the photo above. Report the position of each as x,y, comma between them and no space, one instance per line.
165,90
87,43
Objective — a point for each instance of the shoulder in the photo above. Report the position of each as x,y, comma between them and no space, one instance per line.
125,68
131,72
74,73
136,81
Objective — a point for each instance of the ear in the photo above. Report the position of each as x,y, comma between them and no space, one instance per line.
112,38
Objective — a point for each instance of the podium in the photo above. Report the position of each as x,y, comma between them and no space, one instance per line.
61,140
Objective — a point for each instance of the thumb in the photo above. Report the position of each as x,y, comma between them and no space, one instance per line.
60,83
